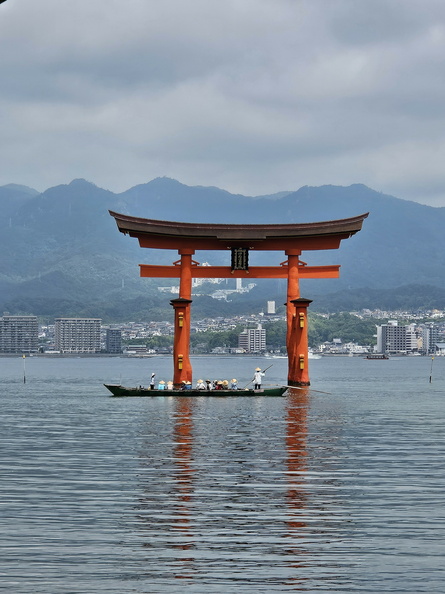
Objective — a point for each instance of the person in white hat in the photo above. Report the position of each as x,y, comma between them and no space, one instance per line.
257,378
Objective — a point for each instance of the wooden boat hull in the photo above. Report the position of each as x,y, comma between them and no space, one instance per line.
119,390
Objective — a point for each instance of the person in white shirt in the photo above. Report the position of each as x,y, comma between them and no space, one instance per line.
257,378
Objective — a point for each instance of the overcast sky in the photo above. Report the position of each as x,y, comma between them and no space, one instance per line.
253,96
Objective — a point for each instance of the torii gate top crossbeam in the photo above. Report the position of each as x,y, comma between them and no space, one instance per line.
153,233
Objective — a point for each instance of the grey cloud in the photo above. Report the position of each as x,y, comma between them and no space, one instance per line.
360,22
254,96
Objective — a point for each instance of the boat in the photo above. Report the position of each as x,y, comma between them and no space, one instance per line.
119,390
376,356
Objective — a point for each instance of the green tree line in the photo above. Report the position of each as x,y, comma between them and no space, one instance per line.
347,327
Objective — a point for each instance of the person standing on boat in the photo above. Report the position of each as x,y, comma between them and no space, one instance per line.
258,378
152,381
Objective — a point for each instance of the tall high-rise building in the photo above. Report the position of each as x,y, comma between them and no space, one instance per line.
271,307
113,341
392,338
19,334
252,340
430,337
77,335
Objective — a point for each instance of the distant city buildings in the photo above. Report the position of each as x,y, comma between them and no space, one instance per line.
220,294
409,339
113,341
252,340
430,339
77,335
22,334
19,334
392,338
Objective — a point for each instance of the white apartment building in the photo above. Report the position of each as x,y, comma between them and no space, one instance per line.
271,308
392,338
77,335
252,340
19,334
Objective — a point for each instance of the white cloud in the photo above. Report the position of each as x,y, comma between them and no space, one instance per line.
251,95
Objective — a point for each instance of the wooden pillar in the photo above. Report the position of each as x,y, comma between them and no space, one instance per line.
299,356
185,280
293,292
182,368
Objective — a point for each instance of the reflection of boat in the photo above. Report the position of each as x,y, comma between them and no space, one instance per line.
118,390
376,356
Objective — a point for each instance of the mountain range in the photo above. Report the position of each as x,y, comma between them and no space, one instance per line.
62,252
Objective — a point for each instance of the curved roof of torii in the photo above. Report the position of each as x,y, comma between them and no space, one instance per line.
176,235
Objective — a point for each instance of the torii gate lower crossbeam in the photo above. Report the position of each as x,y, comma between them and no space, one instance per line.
186,238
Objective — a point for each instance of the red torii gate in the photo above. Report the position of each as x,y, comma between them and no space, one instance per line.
292,239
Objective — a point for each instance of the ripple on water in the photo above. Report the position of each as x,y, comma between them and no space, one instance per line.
311,492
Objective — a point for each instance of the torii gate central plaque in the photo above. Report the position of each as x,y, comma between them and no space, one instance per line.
238,240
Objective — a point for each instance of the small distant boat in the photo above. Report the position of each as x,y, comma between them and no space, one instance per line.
376,356
312,355
119,390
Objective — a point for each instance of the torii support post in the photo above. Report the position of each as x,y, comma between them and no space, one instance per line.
182,371
293,291
298,354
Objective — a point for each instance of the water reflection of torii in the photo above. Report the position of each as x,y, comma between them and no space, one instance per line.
292,239
295,467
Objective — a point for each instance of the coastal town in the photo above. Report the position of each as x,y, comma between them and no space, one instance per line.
401,333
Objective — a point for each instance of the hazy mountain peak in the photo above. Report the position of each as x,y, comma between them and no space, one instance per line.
80,182
21,189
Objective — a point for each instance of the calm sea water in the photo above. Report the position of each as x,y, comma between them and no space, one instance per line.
315,492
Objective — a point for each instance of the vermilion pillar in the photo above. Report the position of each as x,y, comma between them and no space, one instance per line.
293,287
182,369
293,292
298,374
